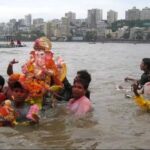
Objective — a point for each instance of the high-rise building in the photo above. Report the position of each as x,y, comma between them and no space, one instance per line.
65,26
133,14
112,16
71,16
21,22
145,14
38,24
38,21
48,29
12,21
28,20
81,22
94,16
101,27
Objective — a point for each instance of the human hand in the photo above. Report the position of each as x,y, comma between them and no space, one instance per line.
35,118
135,88
9,117
126,79
50,72
13,62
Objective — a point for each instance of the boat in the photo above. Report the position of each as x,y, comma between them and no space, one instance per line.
92,42
11,46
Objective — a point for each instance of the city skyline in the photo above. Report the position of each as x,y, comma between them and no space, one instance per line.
55,9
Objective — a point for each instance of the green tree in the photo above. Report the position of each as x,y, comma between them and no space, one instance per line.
91,36
108,36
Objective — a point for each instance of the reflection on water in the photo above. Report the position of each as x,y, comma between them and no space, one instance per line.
116,122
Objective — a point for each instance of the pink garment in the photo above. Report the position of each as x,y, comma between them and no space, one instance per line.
147,88
80,106
34,109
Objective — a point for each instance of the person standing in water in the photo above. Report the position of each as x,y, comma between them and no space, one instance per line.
79,105
145,67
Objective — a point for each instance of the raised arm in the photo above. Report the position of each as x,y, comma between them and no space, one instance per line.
10,67
130,79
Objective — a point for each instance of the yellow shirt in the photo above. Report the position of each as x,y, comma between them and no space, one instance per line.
143,103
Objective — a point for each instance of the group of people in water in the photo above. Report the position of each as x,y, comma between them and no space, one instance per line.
43,82
39,86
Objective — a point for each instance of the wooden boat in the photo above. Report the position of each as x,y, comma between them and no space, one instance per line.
10,46
92,42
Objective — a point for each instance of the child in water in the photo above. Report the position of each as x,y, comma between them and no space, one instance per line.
79,105
24,111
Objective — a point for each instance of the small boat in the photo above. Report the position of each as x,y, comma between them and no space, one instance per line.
10,46
92,42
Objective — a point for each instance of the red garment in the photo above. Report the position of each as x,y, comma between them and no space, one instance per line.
2,97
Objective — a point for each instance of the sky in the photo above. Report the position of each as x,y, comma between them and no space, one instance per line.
55,9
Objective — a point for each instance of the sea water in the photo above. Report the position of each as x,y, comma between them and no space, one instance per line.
115,123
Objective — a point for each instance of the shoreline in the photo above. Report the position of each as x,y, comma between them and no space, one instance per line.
112,41
126,41
98,41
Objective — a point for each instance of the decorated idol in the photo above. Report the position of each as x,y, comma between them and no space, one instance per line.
42,72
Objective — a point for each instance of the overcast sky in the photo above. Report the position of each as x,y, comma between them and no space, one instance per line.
52,9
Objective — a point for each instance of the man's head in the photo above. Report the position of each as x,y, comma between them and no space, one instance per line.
79,88
83,74
145,64
13,78
19,92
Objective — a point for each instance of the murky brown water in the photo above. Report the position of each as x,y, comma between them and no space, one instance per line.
116,122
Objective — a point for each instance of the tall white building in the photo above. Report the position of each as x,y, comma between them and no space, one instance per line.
28,20
101,27
65,26
38,24
94,16
71,16
145,14
112,16
56,25
133,14
48,29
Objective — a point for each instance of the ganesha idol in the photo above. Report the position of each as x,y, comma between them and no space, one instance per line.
42,69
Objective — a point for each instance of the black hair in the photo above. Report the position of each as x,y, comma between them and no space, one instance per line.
2,80
83,82
17,85
83,74
146,62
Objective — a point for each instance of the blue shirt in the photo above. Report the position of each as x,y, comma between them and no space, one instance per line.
22,112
